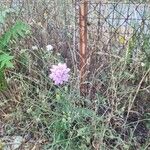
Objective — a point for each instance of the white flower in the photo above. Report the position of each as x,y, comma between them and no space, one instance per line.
142,64
35,47
49,47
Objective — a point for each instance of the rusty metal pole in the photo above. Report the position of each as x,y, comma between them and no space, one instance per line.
83,11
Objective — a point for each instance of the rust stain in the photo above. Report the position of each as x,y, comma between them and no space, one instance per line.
83,43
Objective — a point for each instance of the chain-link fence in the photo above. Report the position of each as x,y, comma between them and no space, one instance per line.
114,28
114,25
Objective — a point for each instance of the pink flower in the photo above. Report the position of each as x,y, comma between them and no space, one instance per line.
59,73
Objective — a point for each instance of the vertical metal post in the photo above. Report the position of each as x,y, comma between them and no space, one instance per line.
83,42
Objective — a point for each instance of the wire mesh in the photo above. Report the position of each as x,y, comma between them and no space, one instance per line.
111,27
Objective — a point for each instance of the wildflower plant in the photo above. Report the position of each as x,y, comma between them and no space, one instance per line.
35,47
49,47
59,73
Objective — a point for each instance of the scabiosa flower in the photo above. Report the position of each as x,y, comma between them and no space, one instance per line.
59,73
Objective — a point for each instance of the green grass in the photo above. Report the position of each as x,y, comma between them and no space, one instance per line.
65,120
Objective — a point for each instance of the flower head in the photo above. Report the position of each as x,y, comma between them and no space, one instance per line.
59,73
49,47
35,47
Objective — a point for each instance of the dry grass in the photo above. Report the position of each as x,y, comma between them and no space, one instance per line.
115,113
